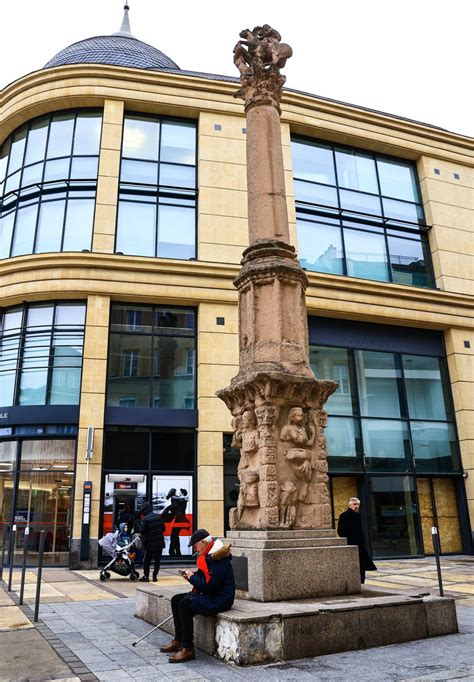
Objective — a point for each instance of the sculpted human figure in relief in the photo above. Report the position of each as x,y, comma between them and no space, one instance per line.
246,437
303,436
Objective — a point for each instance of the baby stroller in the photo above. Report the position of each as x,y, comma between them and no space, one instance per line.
122,557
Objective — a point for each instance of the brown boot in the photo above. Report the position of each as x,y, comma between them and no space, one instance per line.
171,647
182,656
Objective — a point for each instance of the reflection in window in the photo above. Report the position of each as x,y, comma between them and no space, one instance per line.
151,357
324,254
335,364
363,194
426,390
386,444
366,255
41,349
435,446
54,160
380,388
344,442
157,188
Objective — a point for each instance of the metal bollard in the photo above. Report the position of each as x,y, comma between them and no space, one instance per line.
436,547
12,554
4,542
38,578
23,565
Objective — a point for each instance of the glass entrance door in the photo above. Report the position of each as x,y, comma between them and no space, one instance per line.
394,524
43,499
8,454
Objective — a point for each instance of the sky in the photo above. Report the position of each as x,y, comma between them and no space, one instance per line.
412,58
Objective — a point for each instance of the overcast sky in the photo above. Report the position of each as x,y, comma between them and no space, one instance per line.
412,58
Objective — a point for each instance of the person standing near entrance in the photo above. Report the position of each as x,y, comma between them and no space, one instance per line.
350,526
152,531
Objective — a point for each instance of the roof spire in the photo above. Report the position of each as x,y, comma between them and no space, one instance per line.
125,27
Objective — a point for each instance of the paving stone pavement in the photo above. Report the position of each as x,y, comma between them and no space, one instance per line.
101,633
87,628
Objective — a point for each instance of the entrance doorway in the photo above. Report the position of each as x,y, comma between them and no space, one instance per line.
124,494
36,485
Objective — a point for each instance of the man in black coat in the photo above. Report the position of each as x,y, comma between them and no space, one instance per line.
350,527
152,530
213,592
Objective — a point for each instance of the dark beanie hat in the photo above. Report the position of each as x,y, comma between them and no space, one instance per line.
198,534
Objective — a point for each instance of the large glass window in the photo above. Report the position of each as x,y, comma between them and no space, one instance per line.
157,203
151,357
359,214
48,178
393,408
41,349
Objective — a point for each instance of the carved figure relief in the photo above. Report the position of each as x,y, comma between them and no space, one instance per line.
288,498
300,458
248,494
245,437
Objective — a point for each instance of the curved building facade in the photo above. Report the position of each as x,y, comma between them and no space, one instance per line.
123,189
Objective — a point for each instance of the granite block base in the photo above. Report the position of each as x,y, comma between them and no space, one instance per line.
295,564
252,633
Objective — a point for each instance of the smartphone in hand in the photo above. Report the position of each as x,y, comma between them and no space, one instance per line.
181,572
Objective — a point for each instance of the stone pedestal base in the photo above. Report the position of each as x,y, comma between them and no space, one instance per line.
293,564
252,633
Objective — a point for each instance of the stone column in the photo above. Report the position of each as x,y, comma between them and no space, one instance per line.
276,402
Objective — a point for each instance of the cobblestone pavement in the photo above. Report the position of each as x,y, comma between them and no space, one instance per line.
88,627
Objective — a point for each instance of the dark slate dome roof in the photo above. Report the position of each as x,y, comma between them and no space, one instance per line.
118,49
115,50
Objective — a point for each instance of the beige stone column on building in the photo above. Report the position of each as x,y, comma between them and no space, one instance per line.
447,190
461,372
108,179
91,414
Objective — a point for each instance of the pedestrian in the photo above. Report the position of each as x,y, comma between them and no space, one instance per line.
350,526
213,592
152,530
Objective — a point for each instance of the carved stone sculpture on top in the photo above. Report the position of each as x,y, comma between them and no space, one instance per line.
259,56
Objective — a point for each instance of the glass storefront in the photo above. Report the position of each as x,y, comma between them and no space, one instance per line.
391,434
36,491
153,465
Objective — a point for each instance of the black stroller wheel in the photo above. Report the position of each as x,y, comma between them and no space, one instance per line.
133,576
107,575
102,577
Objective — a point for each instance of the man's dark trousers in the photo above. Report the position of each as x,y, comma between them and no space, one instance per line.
183,619
151,554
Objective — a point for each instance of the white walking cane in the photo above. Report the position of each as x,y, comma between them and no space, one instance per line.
153,630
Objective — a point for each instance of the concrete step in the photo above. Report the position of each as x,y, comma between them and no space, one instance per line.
252,632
